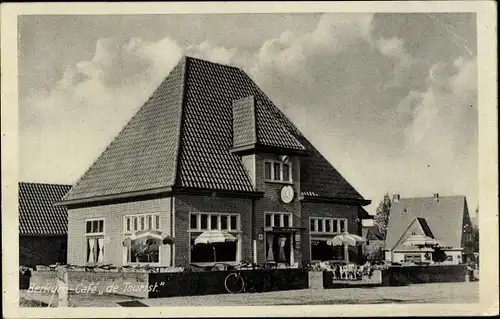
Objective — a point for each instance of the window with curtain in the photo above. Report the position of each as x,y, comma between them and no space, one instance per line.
278,247
94,241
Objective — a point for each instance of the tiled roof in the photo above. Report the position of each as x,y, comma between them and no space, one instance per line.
443,218
143,155
183,136
371,233
37,215
271,132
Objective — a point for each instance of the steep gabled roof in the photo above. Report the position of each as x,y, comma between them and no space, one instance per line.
442,218
371,233
183,137
143,155
37,215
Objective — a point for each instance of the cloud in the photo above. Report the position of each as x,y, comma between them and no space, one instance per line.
380,114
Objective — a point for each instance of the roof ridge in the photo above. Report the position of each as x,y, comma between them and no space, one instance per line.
190,57
178,148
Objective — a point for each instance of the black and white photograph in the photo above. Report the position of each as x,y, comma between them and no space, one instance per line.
274,158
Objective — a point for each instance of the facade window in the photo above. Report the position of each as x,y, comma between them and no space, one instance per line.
94,240
321,251
277,171
224,252
214,221
286,220
342,224
95,226
140,250
278,220
449,258
267,171
327,225
413,258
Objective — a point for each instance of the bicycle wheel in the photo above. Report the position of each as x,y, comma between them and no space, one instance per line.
234,283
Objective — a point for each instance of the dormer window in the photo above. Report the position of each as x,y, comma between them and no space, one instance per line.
275,171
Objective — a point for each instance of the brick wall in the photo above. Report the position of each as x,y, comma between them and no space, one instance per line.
113,225
271,202
184,204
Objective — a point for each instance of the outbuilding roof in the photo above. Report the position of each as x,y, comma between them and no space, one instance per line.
37,214
442,218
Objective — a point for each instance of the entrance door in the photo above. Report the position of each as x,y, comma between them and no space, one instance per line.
279,247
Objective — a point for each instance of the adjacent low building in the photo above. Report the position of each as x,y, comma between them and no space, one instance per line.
373,248
209,151
441,220
42,226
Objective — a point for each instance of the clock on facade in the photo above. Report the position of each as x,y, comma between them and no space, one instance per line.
287,194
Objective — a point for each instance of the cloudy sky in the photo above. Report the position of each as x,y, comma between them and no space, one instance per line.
389,99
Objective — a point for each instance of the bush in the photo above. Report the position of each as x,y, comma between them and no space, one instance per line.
24,271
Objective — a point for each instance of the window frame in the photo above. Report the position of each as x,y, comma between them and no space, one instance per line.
272,163
209,215
96,233
137,217
155,217
282,219
323,220
236,232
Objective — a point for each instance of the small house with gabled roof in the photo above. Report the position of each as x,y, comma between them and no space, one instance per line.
209,151
438,220
43,227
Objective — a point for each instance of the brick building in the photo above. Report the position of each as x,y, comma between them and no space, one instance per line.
42,226
209,150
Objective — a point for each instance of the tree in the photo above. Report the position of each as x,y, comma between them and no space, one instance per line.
381,219
475,238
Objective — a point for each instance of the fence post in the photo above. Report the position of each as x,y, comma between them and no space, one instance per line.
62,282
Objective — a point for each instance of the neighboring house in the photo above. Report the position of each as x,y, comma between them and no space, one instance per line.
373,249
42,226
209,150
444,220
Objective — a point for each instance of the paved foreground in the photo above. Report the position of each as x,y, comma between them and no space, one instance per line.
465,292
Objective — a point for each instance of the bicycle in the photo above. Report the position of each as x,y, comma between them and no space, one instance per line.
234,282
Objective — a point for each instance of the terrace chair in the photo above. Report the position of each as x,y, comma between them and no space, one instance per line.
352,270
54,266
107,267
343,271
335,272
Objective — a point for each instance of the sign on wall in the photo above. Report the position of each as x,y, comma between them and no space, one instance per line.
297,241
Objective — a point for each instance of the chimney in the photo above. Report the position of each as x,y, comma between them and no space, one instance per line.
436,197
395,198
